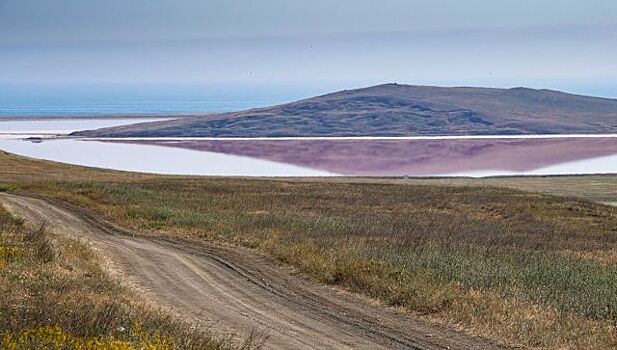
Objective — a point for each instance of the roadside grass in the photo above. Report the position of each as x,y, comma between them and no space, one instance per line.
5,187
54,295
523,268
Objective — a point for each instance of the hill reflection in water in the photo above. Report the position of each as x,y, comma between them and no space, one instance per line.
414,157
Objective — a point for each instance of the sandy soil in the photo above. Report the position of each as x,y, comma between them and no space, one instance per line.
235,291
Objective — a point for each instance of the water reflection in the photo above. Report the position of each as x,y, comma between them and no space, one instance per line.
152,159
468,157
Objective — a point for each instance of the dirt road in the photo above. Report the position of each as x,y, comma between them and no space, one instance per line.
234,290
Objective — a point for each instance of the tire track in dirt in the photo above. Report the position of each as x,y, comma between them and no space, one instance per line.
233,290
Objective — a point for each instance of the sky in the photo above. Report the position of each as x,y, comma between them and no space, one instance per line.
310,46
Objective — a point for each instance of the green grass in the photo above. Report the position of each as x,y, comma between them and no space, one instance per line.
5,187
519,267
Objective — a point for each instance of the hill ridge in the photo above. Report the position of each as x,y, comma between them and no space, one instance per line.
398,110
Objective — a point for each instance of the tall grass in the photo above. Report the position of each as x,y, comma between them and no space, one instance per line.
516,266
525,268
55,296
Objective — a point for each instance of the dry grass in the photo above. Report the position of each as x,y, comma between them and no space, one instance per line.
55,296
524,268
596,188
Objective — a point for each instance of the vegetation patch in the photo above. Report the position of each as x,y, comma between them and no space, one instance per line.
524,268
5,187
55,296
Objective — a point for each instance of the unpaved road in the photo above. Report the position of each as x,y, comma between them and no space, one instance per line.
233,290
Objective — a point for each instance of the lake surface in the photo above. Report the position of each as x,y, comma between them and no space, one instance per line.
481,156
62,126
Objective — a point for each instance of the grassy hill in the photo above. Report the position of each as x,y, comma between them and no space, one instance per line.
398,110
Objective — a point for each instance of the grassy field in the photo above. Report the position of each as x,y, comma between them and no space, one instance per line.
524,268
596,188
56,296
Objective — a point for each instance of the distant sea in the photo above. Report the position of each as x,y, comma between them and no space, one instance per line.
47,102
77,107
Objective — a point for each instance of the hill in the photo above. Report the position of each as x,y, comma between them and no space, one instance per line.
398,110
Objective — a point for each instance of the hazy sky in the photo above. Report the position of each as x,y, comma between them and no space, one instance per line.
78,20
567,44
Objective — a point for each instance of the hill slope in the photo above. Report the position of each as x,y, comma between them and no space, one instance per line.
398,110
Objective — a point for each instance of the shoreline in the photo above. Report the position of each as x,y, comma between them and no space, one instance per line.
51,135
348,138
17,118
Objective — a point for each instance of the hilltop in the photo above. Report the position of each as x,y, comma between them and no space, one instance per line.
398,110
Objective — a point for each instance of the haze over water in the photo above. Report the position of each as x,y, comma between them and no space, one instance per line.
92,100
